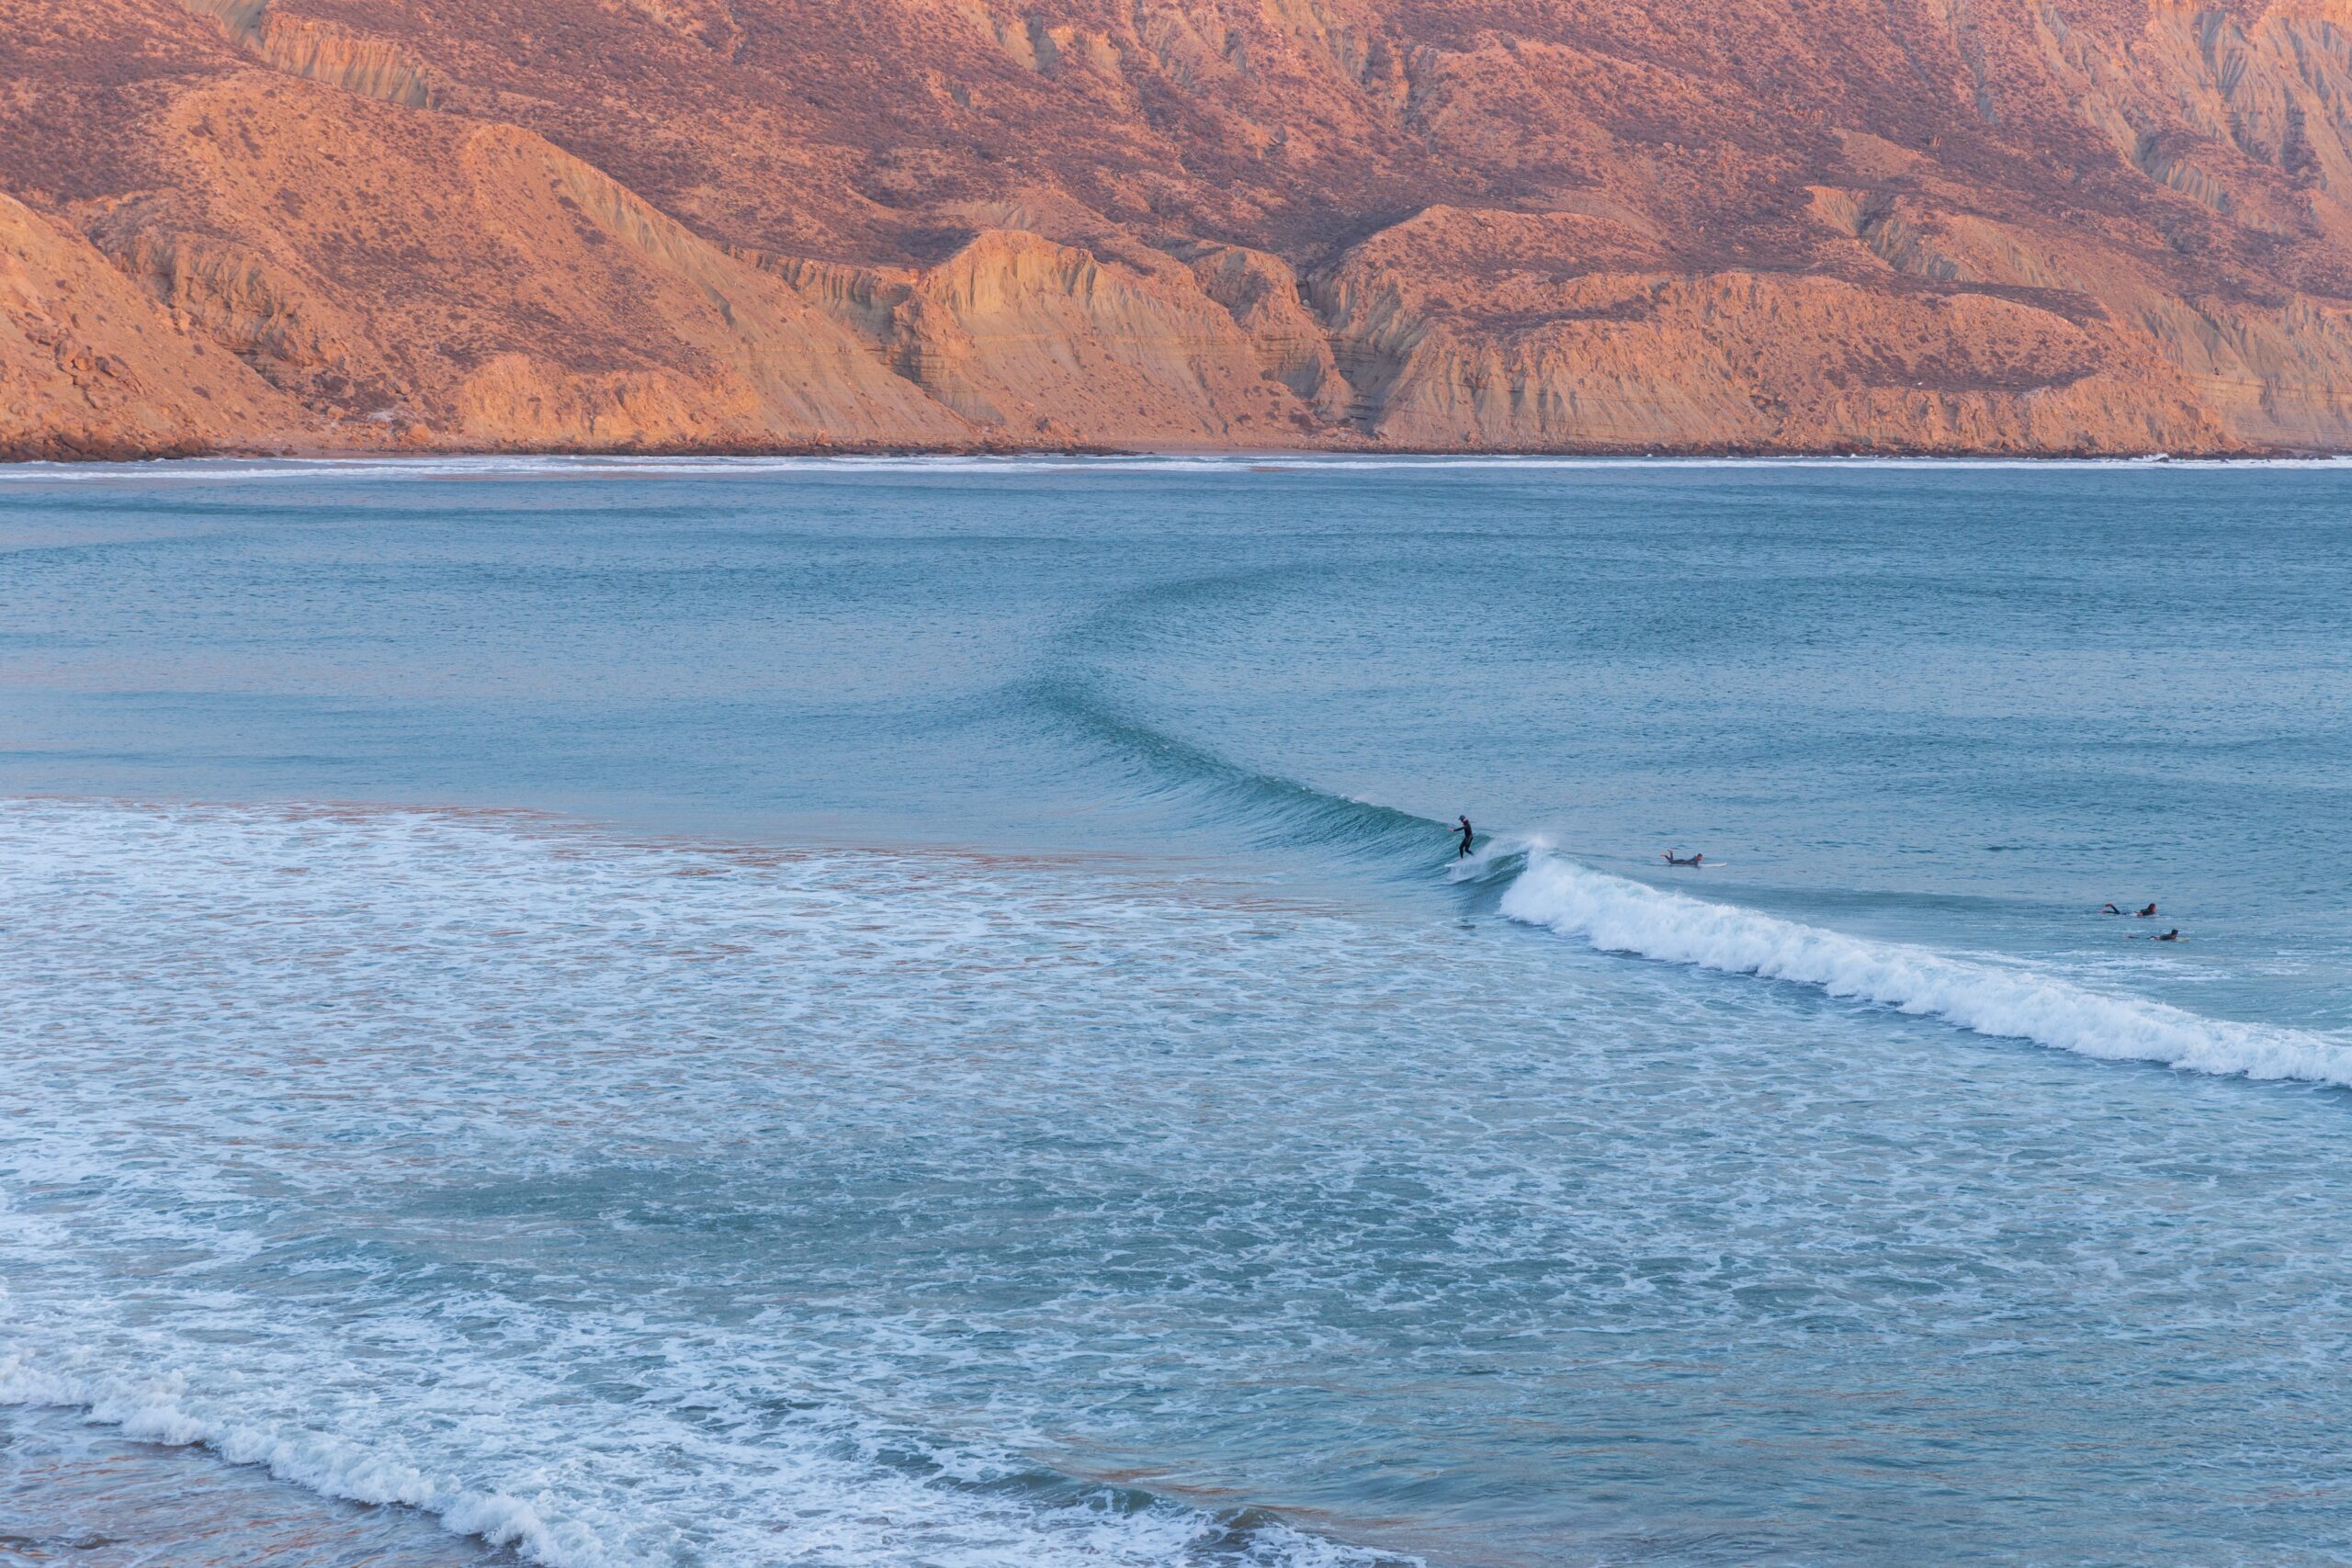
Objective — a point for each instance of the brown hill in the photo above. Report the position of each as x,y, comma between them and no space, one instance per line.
1942,225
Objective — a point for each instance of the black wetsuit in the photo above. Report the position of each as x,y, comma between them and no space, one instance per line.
1467,834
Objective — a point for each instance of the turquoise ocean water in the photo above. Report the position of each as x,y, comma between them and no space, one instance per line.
924,1012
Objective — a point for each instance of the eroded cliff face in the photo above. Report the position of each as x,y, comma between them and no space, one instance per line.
1928,225
89,367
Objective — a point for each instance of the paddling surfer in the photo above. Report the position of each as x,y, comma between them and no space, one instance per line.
1672,859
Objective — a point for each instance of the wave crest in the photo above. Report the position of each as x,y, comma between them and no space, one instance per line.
1618,915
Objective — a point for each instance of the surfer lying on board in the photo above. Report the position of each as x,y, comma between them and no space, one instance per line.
1695,860
2147,914
2172,935
1468,833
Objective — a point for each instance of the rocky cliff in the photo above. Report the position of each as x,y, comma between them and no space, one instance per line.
1927,225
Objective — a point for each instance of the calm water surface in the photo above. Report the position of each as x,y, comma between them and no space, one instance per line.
703,1013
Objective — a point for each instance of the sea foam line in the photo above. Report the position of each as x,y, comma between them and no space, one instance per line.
1619,915
160,1412
862,1517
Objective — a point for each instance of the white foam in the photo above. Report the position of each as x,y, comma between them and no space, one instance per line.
160,1412
1619,915
819,1499
376,1148
593,1424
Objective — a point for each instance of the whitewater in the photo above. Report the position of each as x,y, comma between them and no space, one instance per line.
688,1012
1618,915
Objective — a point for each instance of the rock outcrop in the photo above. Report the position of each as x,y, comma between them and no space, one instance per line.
92,366
2047,226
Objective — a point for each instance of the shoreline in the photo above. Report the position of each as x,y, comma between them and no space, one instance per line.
72,1483
258,452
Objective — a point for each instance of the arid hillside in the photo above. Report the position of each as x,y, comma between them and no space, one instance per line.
1933,225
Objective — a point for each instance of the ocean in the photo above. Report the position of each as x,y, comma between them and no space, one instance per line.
614,1013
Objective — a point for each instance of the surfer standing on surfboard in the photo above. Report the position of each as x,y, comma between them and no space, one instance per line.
1467,834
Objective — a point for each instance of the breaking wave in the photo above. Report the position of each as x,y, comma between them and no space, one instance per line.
1618,915
1539,887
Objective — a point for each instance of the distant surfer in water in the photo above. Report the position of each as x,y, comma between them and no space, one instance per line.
2172,935
1672,859
2147,914
1468,833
